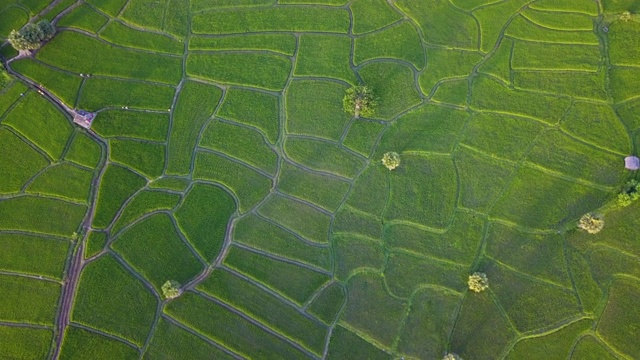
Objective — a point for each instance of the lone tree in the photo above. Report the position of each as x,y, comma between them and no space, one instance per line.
31,36
451,356
359,100
591,223
629,194
478,282
391,160
171,289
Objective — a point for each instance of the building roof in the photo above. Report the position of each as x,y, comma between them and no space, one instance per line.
84,118
632,163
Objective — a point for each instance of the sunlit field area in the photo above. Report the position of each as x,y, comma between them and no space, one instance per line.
189,179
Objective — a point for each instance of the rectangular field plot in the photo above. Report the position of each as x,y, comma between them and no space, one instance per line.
369,15
373,180
423,191
144,157
267,71
55,217
229,329
487,94
33,114
324,56
559,20
143,203
323,156
560,153
557,345
18,163
173,342
345,344
28,300
280,43
63,85
111,7
590,85
10,94
322,190
118,304
249,186
202,5
446,64
196,103
266,308
619,317
33,255
292,281
492,20
625,83
96,242
81,344
84,17
120,34
288,213
534,56
170,16
547,203
597,124
63,180
135,124
357,254
106,59
25,343
522,28
154,248
297,19
623,40
242,143
116,186
351,221
253,108
399,42
327,305
98,93
459,243
260,234
84,151
579,6
362,136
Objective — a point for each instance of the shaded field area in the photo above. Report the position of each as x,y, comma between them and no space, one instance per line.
224,204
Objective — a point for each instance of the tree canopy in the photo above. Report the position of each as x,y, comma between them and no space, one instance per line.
31,36
359,100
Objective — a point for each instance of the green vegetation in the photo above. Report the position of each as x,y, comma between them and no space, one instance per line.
79,343
28,300
478,282
31,36
118,184
391,160
359,100
25,343
171,289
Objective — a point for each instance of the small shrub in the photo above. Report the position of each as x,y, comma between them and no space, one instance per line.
359,100
591,223
171,289
391,160
629,194
478,282
626,16
451,356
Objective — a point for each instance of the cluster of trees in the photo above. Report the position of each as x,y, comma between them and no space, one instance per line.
629,194
31,36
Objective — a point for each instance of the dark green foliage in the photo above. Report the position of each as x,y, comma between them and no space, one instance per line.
359,100
31,36
203,217
110,299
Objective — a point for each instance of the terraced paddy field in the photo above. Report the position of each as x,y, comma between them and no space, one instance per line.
221,158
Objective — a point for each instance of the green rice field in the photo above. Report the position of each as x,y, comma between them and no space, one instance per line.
224,205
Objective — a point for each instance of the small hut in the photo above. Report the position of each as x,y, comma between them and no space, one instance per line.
84,118
632,163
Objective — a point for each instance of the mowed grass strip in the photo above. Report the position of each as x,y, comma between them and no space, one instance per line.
18,163
242,143
322,190
291,281
64,86
98,93
267,71
196,103
154,248
266,308
399,42
55,217
143,203
64,180
120,34
25,343
287,212
132,124
280,43
146,158
118,303
66,51
116,186
263,235
19,252
229,329
290,18
33,114
249,186
171,341
203,218
323,156
84,151
27,300
80,343
253,108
